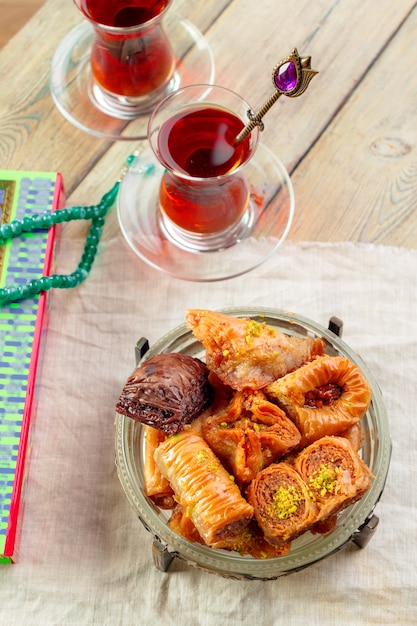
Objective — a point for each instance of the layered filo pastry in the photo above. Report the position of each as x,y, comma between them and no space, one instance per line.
283,506
166,391
334,474
245,353
323,397
202,486
249,434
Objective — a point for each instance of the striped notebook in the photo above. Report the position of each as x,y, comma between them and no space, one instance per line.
22,330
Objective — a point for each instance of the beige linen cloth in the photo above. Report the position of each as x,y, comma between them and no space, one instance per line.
84,556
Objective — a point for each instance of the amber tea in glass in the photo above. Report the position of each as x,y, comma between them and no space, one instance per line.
203,191
131,55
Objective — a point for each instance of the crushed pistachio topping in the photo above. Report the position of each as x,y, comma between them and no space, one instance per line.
245,537
325,480
285,502
226,353
253,329
206,459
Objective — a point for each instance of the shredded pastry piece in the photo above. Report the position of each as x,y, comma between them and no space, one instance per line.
248,353
250,434
294,393
334,474
208,493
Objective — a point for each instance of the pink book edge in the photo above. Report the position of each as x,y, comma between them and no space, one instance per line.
29,410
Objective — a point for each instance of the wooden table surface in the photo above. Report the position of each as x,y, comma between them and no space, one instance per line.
349,142
14,15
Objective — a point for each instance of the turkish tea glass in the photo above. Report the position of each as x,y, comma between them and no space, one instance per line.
132,60
204,195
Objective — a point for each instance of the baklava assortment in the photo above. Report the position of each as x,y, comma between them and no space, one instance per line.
256,445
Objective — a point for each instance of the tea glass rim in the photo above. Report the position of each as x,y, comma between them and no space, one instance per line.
119,30
183,175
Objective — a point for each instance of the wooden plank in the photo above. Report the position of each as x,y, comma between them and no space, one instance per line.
33,133
343,39
247,42
300,121
14,14
359,182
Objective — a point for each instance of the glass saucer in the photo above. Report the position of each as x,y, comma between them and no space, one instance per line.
74,90
260,232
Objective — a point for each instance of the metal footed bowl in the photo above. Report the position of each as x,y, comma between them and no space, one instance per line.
355,524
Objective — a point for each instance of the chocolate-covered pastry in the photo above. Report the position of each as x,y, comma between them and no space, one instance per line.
167,391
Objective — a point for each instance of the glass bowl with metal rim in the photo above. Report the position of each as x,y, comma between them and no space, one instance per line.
356,524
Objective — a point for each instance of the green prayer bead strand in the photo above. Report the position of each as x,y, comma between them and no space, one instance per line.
95,213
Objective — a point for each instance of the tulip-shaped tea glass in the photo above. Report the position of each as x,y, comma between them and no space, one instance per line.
201,205
132,60
203,195
122,60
